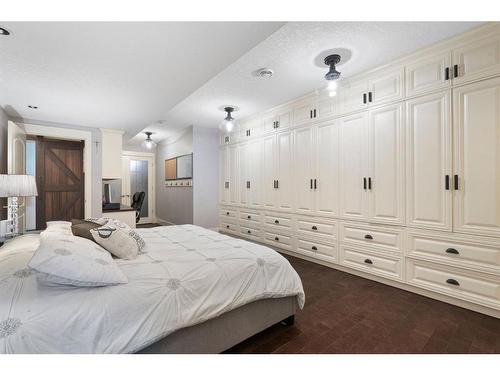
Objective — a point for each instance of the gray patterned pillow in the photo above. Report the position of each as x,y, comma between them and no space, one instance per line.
72,260
118,241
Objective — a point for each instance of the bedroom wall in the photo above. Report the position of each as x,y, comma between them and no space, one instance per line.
173,204
3,156
205,177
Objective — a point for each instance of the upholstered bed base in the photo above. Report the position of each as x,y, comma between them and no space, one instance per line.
219,334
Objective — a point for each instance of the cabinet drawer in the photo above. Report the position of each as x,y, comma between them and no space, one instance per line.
380,265
317,249
228,212
455,250
228,226
467,285
278,221
249,232
389,239
312,227
278,240
249,216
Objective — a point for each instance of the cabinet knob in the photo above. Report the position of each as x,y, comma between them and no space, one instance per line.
249,217
368,237
453,282
452,251
227,226
314,227
314,248
368,261
276,238
276,221
249,232
227,213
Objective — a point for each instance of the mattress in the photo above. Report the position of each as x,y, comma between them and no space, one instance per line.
186,275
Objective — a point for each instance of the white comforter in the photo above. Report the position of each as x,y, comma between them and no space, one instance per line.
186,275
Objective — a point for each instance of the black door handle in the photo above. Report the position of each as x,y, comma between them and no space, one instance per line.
453,282
452,251
455,182
314,248
276,238
370,96
311,185
277,124
277,184
447,74
314,113
369,183
368,237
455,71
311,114
276,221
447,182
314,227
315,184
364,183
368,261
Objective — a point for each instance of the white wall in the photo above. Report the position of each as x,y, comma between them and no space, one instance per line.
205,176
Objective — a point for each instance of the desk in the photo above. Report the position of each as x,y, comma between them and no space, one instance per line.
125,214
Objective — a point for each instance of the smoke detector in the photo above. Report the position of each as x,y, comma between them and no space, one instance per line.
265,73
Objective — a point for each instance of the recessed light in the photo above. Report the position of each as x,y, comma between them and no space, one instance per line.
4,31
33,107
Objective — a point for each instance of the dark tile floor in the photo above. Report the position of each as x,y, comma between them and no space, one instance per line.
348,314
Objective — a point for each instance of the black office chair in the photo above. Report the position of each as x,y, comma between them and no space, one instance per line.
137,201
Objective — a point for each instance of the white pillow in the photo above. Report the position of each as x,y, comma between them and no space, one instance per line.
118,241
72,260
57,228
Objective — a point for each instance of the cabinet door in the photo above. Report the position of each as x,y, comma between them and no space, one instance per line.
284,173
428,74
268,122
326,107
302,112
428,161
304,172
284,118
386,160
255,174
244,173
233,174
477,157
386,86
268,171
223,175
479,59
353,168
352,97
327,169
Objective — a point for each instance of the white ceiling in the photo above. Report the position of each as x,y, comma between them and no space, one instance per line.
114,75
166,76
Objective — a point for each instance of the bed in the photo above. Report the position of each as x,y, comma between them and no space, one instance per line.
192,290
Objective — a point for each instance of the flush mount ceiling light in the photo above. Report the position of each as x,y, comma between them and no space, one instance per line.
148,143
229,120
265,73
32,107
4,31
333,74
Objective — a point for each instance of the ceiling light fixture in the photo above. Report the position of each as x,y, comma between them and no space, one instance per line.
4,31
148,142
229,120
333,74
265,73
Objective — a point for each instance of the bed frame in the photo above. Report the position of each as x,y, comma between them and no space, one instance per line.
221,333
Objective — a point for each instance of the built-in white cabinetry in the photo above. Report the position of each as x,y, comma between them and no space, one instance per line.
476,158
428,161
396,178
111,153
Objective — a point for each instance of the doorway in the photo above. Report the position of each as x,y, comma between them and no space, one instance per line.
138,175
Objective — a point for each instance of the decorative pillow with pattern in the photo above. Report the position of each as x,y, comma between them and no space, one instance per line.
72,260
118,241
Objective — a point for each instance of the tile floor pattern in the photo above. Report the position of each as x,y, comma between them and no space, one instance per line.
348,314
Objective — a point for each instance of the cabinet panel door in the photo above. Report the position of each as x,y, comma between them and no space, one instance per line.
244,173
328,169
326,107
478,59
285,182
352,97
428,161
477,157
304,170
428,74
353,169
223,174
268,122
268,171
284,118
387,86
302,112
386,160
233,174
256,165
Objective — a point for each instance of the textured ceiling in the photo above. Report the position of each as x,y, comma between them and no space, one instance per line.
292,52
114,74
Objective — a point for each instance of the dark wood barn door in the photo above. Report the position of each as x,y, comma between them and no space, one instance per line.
60,178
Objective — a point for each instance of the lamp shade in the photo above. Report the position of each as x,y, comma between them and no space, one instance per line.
17,185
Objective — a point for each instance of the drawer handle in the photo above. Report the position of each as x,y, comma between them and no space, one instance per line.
276,238
249,217
227,226
368,261
452,251
249,232
314,227
368,237
453,282
314,248
276,221
227,213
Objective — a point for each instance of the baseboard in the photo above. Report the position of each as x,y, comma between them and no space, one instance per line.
164,222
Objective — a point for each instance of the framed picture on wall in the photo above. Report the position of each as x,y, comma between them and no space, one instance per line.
179,168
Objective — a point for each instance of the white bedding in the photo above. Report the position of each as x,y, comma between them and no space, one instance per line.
186,275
